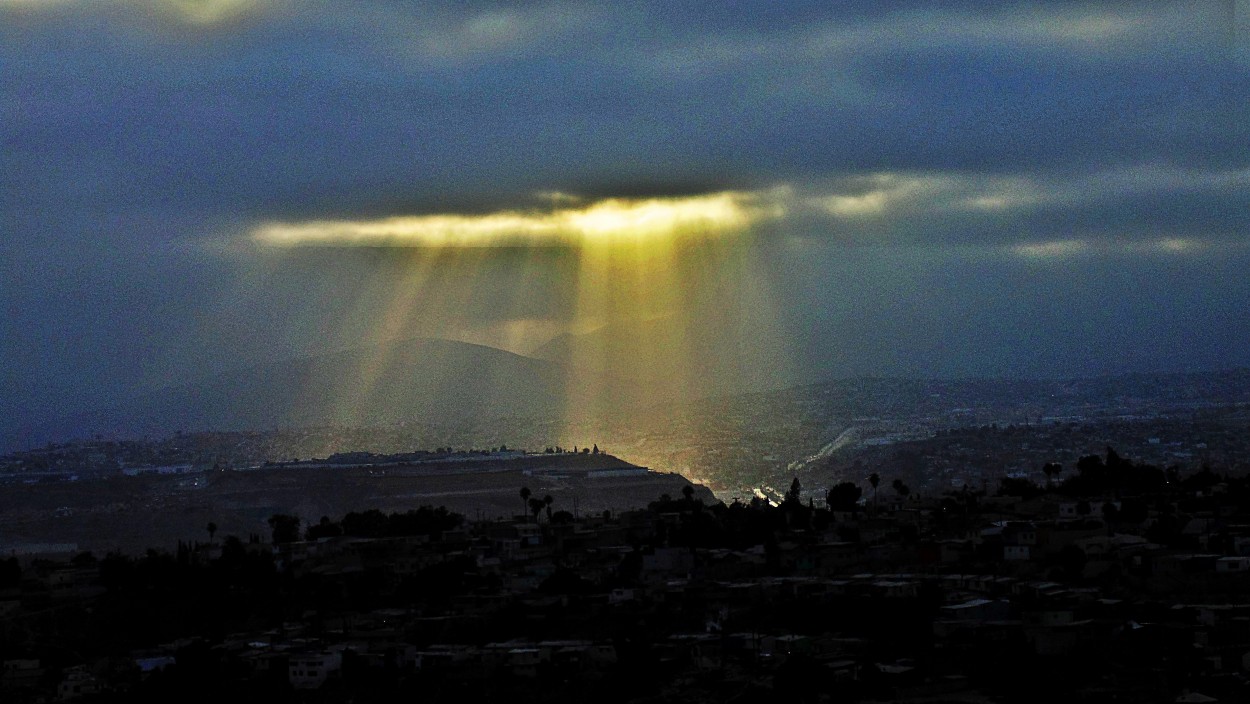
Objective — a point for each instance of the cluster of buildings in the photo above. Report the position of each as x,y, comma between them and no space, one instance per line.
977,456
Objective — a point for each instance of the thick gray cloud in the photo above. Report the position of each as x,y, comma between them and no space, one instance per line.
321,108
141,137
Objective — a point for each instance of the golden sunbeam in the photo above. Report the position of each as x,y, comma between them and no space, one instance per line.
389,325
635,301
679,328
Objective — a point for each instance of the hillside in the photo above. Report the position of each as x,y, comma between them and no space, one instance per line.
424,380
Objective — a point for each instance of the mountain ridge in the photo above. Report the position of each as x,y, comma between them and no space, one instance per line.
417,378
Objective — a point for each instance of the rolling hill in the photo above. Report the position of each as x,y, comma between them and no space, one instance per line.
426,380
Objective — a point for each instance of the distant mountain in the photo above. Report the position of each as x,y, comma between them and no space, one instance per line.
678,358
425,380
686,357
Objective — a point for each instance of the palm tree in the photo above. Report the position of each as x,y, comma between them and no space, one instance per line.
874,479
212,530
525,499
547,501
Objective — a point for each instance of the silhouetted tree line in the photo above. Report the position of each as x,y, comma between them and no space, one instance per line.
736,525
1097,476
372,523
556,449
161,596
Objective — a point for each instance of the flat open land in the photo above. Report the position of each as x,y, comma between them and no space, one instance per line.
133,513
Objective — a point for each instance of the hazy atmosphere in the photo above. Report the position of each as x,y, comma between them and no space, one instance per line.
661,199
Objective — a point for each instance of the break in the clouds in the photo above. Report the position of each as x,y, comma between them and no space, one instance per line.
934,145
609,221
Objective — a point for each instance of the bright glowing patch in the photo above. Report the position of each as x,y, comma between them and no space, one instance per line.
989,203
209,12
605,221
852,206
1051,250
201,13
895,192
1177,245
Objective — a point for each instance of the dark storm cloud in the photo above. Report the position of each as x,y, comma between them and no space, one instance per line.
316,110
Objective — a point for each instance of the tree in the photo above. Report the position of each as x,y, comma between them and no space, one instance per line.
325,528
212,530
688,492
874,479
366,524
902,489
547,501
796,488
525,498
285,528
1093,475
843,497
536,506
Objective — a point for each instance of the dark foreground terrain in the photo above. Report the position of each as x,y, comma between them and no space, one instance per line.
1119,581
132,514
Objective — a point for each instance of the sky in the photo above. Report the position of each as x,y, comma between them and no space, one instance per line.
837,188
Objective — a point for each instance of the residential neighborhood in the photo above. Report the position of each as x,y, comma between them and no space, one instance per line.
1124,583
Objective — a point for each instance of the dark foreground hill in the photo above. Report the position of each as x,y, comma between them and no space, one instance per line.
134,513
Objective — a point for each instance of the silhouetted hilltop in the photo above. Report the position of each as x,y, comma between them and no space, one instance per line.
133,512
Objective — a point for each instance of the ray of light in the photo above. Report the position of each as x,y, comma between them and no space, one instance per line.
658,299
389,323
